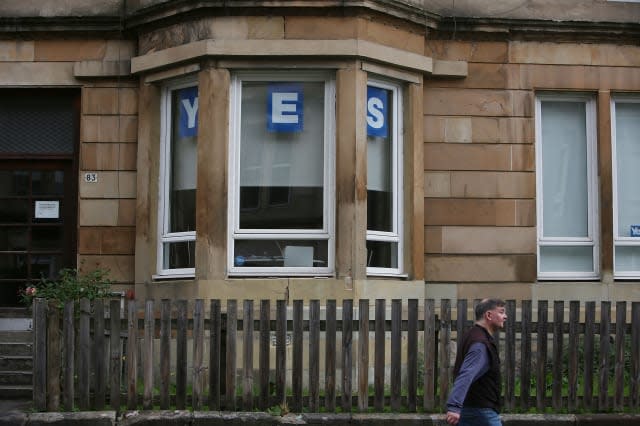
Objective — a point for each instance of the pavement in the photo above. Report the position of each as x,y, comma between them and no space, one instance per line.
20,413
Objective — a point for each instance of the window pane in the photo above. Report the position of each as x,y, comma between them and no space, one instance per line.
14,182
382,254
564,174
13,238
16,211
627,259
182,194
379,159
49,182
281,253
566,259
627,160
179,255
45,266
282,160
13,266
46,238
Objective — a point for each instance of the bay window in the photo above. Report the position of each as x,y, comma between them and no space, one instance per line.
177,198
281,202
625,126
384,179
567,210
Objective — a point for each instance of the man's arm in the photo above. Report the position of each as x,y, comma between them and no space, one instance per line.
474,365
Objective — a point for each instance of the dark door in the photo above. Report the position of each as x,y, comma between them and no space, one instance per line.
38,187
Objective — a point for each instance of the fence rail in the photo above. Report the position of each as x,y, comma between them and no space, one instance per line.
401,358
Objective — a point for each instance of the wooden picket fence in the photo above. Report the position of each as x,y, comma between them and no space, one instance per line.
90,359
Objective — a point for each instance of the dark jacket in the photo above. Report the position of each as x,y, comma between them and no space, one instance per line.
484,392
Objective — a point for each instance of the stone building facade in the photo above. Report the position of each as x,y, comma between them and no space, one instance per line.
323,149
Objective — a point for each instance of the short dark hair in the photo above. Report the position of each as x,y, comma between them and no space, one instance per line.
486,305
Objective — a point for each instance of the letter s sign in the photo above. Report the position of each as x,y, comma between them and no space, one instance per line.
377,112
285,104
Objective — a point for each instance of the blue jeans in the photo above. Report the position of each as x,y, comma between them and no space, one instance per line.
471,416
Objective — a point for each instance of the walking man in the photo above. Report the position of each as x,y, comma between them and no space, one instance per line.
475,397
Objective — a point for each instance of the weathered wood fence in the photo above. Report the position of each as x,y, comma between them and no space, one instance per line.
105,355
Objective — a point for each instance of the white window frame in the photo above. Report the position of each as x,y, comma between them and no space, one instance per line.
164,185
592,189
327,232
396,132
617,240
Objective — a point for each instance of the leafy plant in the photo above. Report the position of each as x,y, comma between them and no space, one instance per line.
71,285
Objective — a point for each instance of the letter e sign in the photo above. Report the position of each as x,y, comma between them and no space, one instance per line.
285,103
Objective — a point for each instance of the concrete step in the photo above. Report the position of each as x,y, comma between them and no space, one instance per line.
16,349
16,363
16,391
16,378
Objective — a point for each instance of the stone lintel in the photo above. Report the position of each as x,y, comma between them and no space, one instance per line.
91,69
459,69
333,49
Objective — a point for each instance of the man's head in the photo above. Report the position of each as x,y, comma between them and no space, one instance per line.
491,313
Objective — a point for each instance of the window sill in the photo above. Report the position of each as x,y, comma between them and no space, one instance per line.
386,275
173,277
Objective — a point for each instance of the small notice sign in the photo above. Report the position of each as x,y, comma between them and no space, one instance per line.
47,210
635,231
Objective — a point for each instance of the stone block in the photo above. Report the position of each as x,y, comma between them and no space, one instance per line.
100,100
106,186
160,418
481,268
127,184
525,212
69,50
16,51
37,74
457,129
615,55
109,128
127,128
119,50
470,51
127,156
121,268
89,240
126,212
504,291
437,184
484,76
118,240
493,184
471,212
127,101
442,156
390,35
433,239
478,102
577,77
86,418
524,52
619,78
98,212
320,28
523,157
265,27
99,156
516,130
488,240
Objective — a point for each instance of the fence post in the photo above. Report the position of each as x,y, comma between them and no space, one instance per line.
445,351
265,341
40,354
115,358
621,317
296,370
347,335
635,355
330,357
589,345
53,356
429,354
132,356
70,350
198,354
525,355
541,359
396,344
605,334
181,355
412,354
84,350
378,370
215,350
363,355
314,356
558,341
165,352
99,354
147,362
510,355
574,322
232,328
281,351
247,355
